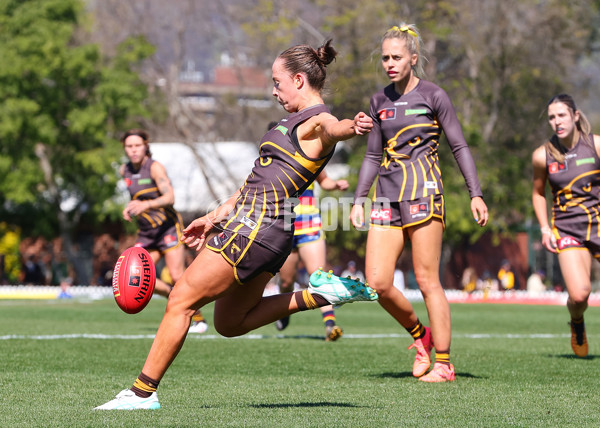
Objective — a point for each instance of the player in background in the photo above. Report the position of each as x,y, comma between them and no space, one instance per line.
309,247
409,117
569,161
243,243
160,225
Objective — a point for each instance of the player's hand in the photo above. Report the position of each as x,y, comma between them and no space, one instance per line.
549,241
362,124
357,216
341,184
195,234
136,207
479,210
126,215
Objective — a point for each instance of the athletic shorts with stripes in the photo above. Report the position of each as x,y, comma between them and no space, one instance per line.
567,241
247,257
407,213
162,238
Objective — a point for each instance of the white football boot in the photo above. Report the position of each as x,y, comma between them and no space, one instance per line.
127,400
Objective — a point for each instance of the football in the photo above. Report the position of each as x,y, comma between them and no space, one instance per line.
133,280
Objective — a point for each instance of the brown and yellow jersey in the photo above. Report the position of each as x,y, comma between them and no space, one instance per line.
264,211
575,185
142,187
403,144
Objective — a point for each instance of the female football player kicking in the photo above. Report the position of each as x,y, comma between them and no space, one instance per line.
245,241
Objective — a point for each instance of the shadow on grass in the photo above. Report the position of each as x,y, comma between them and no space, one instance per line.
572,356
307,405
402,375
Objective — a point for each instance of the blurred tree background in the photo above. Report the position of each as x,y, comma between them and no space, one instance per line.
74,74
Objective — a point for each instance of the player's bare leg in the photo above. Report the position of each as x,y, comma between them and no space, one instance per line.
313,255
576,265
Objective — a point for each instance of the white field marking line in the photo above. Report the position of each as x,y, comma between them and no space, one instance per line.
264,336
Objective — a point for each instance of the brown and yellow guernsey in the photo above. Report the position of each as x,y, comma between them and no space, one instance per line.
142,187
575,185
264,211
403,145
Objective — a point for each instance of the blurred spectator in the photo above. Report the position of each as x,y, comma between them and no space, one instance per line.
535,282
487,282
33,273
469,279
65,285
353,272
506,276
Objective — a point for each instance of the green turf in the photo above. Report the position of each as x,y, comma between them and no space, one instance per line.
514,368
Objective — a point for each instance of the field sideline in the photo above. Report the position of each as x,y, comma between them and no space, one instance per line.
514,368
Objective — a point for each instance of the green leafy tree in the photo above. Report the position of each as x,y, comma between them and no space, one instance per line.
63,104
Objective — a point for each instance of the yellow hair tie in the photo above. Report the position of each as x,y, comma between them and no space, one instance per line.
404,29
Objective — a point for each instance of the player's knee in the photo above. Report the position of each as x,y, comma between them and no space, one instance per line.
579,297
228,329
382,286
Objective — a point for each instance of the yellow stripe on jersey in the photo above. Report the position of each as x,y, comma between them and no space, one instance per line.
413,195
403,183
284,188
144,191
150,220
276,214
391,142
290,178
425,189
310,165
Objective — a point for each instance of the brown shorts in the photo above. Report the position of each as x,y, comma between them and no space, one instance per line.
162,238
247,257
565,242
408,213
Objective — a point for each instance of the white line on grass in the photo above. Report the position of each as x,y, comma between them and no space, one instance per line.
266,336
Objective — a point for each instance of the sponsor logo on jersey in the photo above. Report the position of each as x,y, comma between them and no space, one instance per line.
387,114
414,111
401,103
430,185
568,241
584,161
249,223
419,210
144,181
381,214
555,167
282,129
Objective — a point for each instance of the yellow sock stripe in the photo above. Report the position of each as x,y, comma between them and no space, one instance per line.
443,357
198,318
143,386
417,330
328,318
309,301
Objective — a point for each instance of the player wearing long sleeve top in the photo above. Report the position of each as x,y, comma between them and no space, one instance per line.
409,117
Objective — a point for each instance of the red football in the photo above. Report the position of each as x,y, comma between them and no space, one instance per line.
133,280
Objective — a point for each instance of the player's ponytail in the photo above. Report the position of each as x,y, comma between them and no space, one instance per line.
310,61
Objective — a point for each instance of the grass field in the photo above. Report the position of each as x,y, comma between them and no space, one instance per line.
514,368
